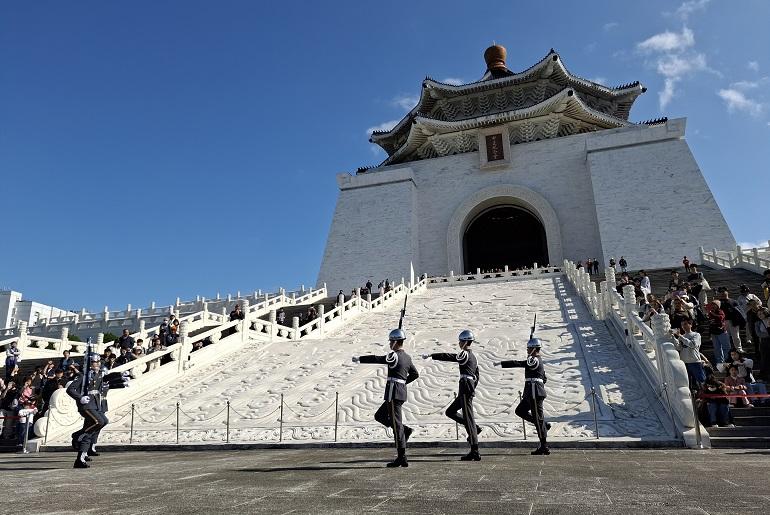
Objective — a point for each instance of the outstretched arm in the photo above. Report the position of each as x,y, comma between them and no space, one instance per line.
444,356
371,358
513,363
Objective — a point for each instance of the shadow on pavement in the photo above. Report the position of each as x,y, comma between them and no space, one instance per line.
295,469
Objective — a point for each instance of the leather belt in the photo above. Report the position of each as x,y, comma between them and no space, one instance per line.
396,380
533,380
93,392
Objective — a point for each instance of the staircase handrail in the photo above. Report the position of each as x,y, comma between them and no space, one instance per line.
654,352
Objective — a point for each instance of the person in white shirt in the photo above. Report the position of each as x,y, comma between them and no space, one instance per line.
688,344
645,280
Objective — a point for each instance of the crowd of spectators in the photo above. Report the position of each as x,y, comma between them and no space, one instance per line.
733,325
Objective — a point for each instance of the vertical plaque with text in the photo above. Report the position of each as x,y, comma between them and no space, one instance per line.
495,147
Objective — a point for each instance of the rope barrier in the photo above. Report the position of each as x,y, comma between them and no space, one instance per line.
191,417
154,421
254,418
300,415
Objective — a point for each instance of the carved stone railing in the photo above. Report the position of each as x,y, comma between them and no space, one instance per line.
756,259
490,277
652,348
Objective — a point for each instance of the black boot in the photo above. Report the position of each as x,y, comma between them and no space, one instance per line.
87,458
407,432
80,462
473,455
92,452
400,461
542,450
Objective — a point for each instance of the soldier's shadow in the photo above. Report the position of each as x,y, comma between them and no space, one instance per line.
304,468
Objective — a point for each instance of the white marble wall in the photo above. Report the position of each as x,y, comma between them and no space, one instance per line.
599,187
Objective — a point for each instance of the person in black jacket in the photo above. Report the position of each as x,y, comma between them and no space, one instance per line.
531,406
469,379
401,372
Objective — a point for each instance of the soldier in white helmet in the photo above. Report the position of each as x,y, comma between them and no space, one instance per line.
401,372
469,379
531,406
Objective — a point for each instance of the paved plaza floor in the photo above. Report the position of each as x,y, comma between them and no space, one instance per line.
354,481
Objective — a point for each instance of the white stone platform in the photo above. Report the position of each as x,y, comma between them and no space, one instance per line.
579,353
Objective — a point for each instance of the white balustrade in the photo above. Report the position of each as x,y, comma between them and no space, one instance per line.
651,348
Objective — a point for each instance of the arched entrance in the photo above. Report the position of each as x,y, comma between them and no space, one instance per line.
504,236
497,196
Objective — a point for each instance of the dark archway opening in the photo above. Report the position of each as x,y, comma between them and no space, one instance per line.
504,235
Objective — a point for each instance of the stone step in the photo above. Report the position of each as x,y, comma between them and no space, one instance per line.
753,431
753,420
740,442
756,411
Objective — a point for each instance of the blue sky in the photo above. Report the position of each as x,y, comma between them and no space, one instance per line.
154,149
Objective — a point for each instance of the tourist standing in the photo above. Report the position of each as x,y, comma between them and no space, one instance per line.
12,354
469,379
719,335
401,372
623,264
688,344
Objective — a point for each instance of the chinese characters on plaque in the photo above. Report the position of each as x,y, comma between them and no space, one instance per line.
495,147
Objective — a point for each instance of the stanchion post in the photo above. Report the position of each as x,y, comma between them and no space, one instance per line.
593,408
457,429
131,431
336,413
698,436
177,423
227,426
280,422
670,411
523,424
47,422
26,433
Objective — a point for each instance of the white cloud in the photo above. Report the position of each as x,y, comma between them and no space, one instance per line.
687,8
674,58
384,126
599,80
668,42
753,65
744,85
737,101
454,81
610,25
667,94
405,102
676,66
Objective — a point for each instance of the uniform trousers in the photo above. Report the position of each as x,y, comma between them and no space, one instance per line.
531,409
389,415
93,422
464,402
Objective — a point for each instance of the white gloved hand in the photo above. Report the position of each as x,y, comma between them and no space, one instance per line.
85,399
355,359
425,356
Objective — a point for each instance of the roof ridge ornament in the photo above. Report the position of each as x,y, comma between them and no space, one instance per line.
494,57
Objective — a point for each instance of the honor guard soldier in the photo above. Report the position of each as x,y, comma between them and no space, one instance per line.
469,379
531,406
89,390
401,372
